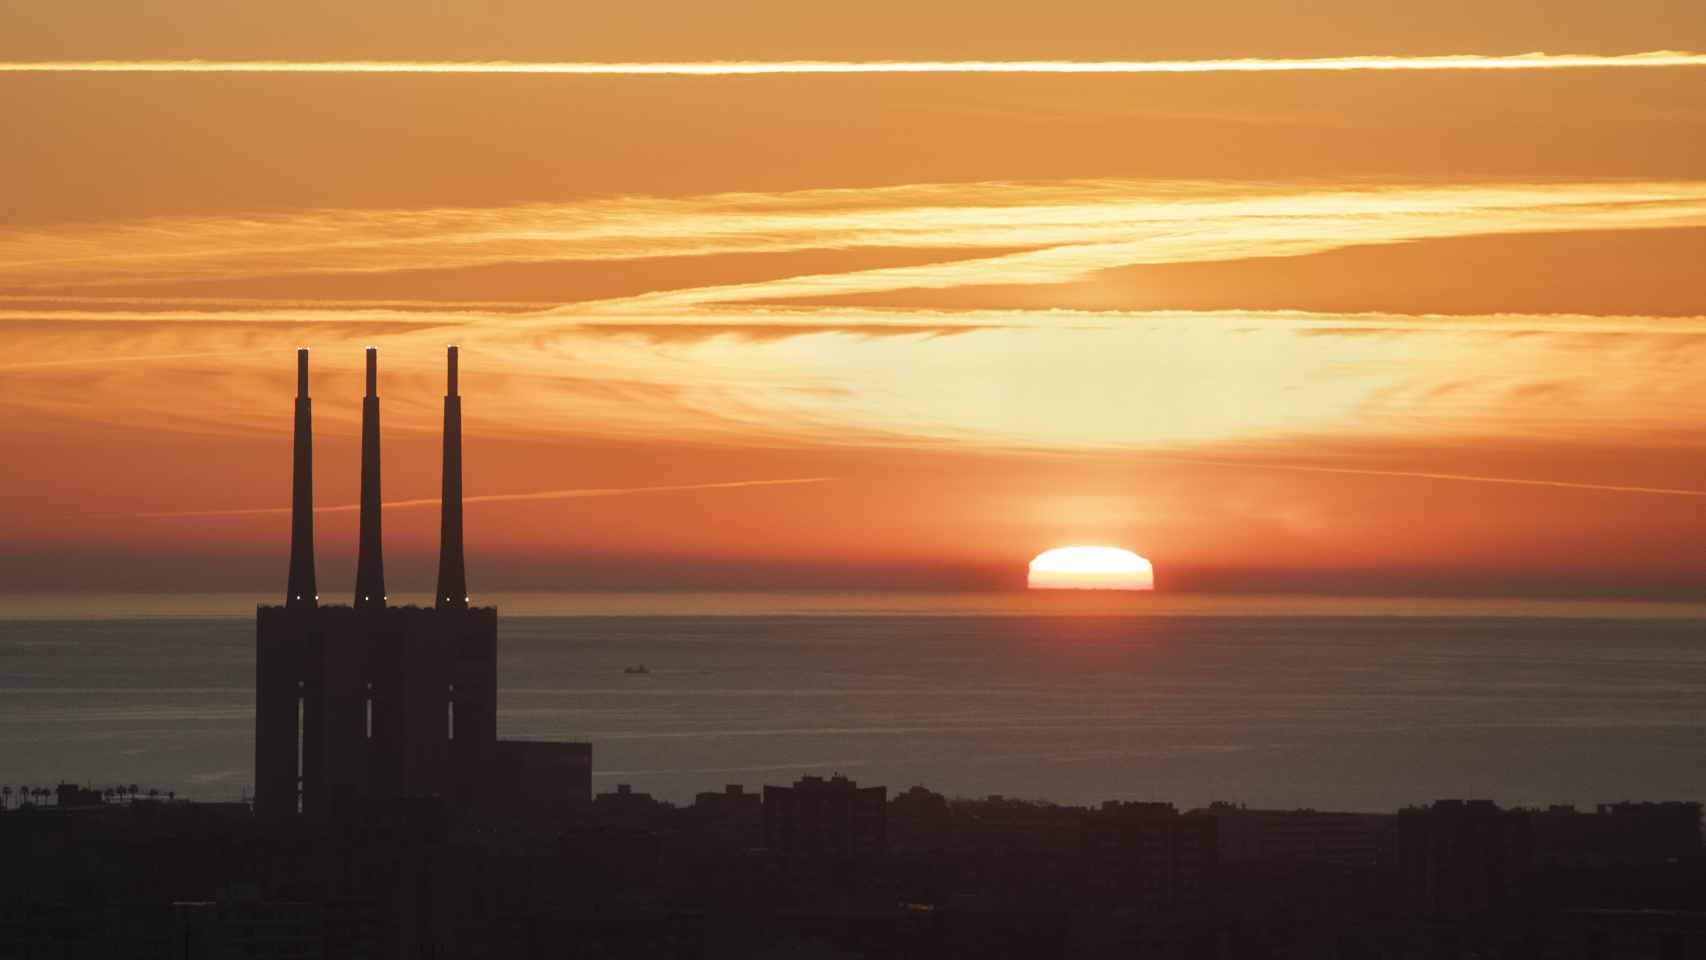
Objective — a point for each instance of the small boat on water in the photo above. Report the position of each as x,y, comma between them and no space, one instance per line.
636,669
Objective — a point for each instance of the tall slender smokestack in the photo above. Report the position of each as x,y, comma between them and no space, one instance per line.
452,577
370,558
301,591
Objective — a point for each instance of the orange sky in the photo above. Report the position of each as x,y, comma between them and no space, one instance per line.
1293,331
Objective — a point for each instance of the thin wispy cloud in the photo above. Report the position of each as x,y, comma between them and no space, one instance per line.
1149,380
1060,230
749,68
1427,475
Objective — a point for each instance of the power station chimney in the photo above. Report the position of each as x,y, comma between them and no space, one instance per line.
452,577
301,592
370,558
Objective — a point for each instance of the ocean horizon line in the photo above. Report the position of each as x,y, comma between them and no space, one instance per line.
125,605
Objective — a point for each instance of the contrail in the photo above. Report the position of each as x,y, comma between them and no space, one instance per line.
1424,475
741,68
129,358
576,493
219,304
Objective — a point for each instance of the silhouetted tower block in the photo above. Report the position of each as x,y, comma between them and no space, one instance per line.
1148,854
818,816
1458,858
726,822
370,559
920,820
452,576
301,591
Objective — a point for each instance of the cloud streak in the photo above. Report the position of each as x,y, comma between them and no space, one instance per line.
574,493
1060,230
1426,475
749,68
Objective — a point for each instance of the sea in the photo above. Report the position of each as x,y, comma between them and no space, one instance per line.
1275,702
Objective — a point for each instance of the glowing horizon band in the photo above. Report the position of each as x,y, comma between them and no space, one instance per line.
734,68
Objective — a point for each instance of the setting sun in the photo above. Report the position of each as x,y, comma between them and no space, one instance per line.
1090,568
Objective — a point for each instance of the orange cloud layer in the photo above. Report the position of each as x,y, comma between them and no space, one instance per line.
1206,437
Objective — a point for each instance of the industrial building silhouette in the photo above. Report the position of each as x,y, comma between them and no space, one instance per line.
369,704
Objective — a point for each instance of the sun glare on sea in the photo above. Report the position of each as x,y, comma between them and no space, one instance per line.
1090,568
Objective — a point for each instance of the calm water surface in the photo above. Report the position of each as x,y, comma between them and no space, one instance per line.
1335,704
